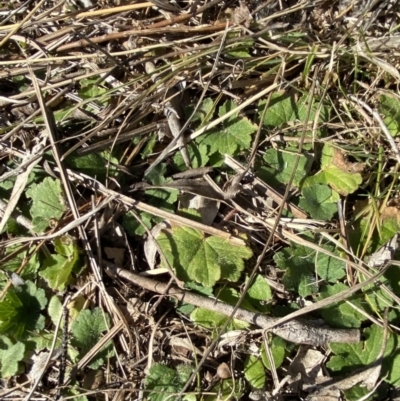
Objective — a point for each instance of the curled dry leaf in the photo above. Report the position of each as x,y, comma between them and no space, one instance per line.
223,371
305,368
39,363
242,15
232,338
93,379
208,208
150,245
183,347
136,308
384,253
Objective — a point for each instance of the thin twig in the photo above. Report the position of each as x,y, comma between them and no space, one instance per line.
299,332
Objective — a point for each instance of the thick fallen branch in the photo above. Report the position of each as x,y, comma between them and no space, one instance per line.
296,330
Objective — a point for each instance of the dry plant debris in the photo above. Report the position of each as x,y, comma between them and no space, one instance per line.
199,200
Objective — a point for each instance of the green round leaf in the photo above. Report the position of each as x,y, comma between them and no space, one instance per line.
196,257
254,372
